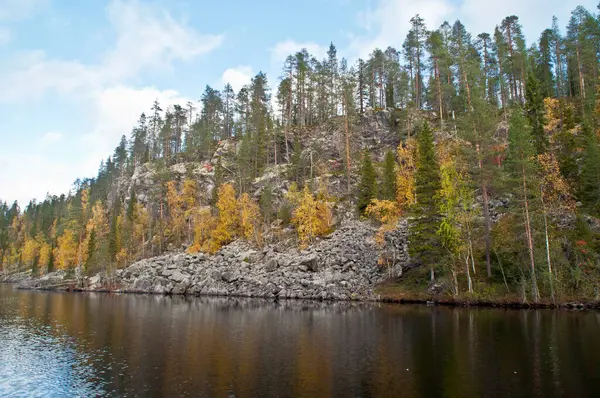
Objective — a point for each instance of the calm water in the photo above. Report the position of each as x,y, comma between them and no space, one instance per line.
55,345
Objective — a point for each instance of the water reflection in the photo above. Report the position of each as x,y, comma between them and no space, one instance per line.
123,345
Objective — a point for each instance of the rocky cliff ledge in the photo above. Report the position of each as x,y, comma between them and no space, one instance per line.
344,266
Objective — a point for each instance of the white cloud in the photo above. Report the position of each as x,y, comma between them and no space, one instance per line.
116,111
147,38
288,47
150,37
52,136
387,24
13,10
32,175
535,15
237,77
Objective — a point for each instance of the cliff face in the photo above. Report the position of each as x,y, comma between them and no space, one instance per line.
321,157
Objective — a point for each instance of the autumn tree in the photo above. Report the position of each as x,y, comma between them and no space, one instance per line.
405,180
67,250
310,217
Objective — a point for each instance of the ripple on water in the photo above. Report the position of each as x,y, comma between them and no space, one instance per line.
43,361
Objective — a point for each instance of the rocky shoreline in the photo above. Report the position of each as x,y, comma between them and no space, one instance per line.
344,266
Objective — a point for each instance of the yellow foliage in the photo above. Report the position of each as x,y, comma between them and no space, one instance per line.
67,250
122,257
312,218
45,251
249,219
98,221
85,195
237,218
552,116
386,212
140,227
190,191
229,219
30,251
406,192
120,238
294,196
555,190
204,224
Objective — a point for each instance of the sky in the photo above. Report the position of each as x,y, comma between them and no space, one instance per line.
76,75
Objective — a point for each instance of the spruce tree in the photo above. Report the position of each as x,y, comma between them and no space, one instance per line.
534,106
388,189
424,243
367,188
590,172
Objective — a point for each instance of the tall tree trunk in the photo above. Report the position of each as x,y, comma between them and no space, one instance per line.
550,274
558,70
463,73
485,71
581,79
502,88
534,285
418,76
512,63
288,122
469,281
439,91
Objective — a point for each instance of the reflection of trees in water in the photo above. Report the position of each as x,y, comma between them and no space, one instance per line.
211,346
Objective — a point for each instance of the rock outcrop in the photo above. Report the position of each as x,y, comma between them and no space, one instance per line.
344,266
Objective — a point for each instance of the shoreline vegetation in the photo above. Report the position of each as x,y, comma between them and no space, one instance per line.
460,168
387,292
386,297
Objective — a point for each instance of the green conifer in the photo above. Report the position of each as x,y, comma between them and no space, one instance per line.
424,243
367,188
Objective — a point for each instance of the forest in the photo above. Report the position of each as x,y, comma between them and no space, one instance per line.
496,164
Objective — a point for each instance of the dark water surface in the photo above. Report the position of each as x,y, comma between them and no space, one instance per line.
60,344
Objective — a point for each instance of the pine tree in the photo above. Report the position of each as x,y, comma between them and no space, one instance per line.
367,188
424,242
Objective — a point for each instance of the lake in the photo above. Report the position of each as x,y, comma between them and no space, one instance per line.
76,344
